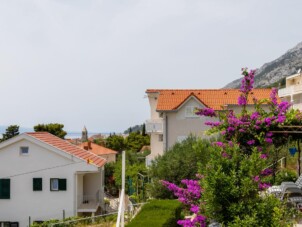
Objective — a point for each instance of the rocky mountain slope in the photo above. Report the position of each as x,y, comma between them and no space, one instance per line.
276,70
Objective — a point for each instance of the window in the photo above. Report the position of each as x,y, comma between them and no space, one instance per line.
37,184
161,138
190,112
57,184
4,188
24,151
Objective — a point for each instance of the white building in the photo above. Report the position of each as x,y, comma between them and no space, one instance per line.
293,90
43,177
173,118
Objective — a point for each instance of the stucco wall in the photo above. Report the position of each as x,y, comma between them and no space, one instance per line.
156,145
179,126
40,163
92,183
109,157
153,98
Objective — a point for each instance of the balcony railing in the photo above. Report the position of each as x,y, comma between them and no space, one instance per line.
154,125
291,90
285,91
297,106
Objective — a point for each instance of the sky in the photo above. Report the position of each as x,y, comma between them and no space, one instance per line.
89,62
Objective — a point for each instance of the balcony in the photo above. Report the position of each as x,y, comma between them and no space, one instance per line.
154,126
291,90
285,91
89,203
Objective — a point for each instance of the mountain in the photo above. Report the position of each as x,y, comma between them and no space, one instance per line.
273,72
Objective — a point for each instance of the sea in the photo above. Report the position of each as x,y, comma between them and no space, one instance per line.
70,135
74,135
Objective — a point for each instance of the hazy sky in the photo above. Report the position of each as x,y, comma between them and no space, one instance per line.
89,62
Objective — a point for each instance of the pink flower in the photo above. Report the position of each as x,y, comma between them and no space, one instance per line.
251,142
263,156
242,100
256,178
268,140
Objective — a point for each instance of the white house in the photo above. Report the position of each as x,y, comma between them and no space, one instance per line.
293,90
172,116
44,177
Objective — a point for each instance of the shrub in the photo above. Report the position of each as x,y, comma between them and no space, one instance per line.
163,213
285,175
179,162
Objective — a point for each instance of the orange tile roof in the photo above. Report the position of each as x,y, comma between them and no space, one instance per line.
170,99
97,149
67,147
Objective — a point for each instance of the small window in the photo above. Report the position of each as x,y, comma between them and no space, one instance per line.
190,112
161,138
24,151
4,188
37,184
57,184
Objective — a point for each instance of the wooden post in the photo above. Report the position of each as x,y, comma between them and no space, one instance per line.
29,221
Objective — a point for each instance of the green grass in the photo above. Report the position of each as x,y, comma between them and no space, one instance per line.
158,213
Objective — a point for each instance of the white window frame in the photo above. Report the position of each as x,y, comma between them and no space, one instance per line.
189,112
52,188
22,149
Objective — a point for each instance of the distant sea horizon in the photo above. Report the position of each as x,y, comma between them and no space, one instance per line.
74,135
70,135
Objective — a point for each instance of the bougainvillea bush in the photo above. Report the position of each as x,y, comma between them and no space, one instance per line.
235,176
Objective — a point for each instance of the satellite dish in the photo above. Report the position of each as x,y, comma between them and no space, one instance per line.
299,70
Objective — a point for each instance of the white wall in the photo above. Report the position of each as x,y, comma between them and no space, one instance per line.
40,163
92,182
179,126
156,146
80,188
153,99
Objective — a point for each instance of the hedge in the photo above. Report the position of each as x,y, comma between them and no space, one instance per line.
163,213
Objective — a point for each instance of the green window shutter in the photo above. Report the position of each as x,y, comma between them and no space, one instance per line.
4,188
37,184
62,185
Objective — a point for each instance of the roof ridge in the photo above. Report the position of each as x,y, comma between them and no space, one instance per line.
63,140
206,89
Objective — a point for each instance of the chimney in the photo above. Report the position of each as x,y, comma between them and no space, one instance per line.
89,145
86,147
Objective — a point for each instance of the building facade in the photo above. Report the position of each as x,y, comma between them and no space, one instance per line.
43,177
173,118
293,90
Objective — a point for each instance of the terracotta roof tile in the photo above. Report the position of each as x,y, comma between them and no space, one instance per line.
170,99
97,149
67,147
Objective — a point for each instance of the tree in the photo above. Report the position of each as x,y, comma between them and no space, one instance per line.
53,128
144,130
115,142
135,141
238,167
179,162
135,165
10,132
